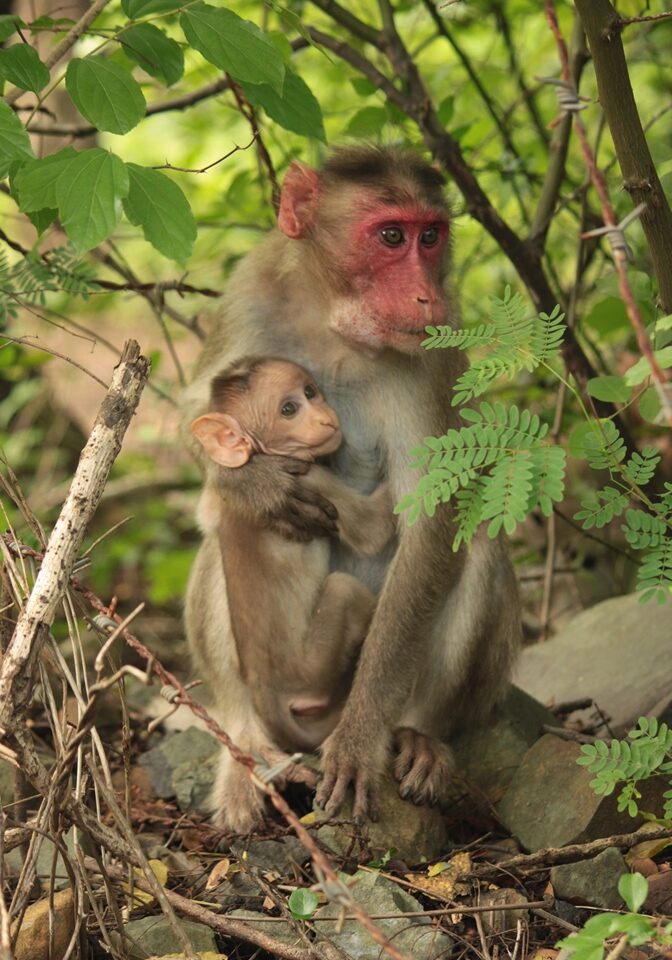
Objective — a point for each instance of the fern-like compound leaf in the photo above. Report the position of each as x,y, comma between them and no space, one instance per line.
600,507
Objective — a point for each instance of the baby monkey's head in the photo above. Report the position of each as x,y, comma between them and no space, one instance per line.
262,405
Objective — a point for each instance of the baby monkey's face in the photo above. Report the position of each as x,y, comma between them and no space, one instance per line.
288,414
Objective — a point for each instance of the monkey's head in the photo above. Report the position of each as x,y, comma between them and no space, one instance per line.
376,222
266,406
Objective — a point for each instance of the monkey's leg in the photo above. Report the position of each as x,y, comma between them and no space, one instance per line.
423,766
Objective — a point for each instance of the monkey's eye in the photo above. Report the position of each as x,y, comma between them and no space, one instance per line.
310,391
289,409
392,236
429,237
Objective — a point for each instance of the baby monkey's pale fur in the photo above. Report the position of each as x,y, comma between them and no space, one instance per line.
298,639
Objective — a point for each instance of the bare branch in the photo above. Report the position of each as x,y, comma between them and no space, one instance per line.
102,447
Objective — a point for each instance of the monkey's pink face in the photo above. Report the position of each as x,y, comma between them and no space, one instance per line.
394,267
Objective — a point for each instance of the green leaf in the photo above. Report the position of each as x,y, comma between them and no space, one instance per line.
446,110
106,94
152,50
633,887
642,369
610,389
21,65
367,122
157,204
302,903
14,141
235,45
135,9
296,109
9,24
649,405
363,87
89,193
35,183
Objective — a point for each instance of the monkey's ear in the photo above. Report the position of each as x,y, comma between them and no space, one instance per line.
298,200
222,439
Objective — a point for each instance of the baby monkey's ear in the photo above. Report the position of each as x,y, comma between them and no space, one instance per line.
222,439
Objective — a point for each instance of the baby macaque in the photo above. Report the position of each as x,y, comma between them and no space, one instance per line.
298,629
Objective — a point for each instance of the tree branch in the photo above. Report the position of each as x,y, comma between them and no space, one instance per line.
640,178
102,447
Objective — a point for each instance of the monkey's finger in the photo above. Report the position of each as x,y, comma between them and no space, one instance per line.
366,804
404,759
314,499
298,773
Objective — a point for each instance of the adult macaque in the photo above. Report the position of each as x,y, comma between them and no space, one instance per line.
345,287
298,638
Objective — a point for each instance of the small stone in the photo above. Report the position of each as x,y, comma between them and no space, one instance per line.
415,936
503,921
550,803
183,766
33,940
280,856
153,936
282,931
579,661
592,883
414,832
489,756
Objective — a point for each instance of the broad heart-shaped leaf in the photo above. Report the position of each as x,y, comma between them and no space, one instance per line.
233,44
156,53
296,109
135,9
21,65
35,183
633,887
89,193
105,93
302,903
14,141
158,205
611,389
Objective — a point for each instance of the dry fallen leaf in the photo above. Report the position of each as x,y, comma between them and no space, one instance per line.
441,878
646,850
160,871
308,818
218,873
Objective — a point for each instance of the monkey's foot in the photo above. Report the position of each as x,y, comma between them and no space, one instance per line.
346,762
424,767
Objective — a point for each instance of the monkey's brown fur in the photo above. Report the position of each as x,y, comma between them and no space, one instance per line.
298,640
327,291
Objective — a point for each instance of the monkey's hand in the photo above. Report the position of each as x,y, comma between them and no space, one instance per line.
353,756
272,489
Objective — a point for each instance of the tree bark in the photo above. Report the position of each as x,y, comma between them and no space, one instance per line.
603,29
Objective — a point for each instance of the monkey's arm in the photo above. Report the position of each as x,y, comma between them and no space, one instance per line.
365,523
272,490
422,572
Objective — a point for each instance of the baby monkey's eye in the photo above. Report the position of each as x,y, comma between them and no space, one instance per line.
310,391
289,409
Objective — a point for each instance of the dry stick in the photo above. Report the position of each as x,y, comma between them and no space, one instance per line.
237,929
68,41
66,538
620,255
550,856
332,885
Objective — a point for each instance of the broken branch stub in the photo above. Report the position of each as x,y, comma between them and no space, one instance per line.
95,462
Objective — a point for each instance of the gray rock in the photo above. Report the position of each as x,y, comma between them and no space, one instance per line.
414,832
152,937
282,931
415,936
272,855
488,757
49,863
591,882
183,766
503,921
581,660
549,802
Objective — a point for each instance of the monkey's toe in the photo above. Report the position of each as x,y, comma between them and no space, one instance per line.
423,766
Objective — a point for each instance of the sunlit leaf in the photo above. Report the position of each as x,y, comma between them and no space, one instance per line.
296,109
105,93
152,50
89,193
21,65
14,141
